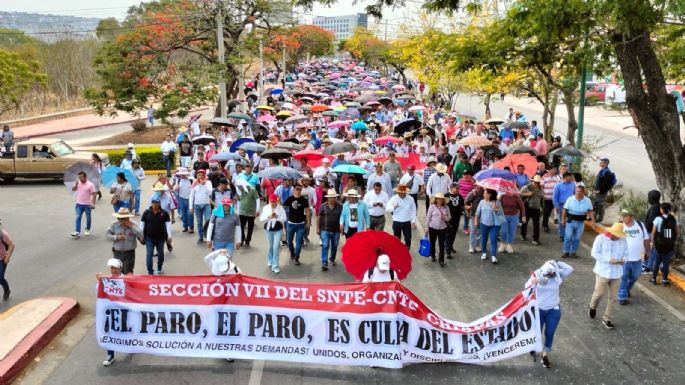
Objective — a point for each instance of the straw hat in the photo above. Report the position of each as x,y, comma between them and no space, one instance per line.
122,213
537,179
616,229
438,196
402,188
352,193
183,129
441,168
332,194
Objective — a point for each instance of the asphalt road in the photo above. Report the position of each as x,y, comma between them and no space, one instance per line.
629,159
647,346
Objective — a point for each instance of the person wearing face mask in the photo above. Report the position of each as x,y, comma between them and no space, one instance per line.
547,280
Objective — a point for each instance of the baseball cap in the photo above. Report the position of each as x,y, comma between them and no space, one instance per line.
383,262
113,262
604,159
273,198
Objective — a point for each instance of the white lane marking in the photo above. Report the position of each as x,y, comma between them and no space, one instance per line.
256,373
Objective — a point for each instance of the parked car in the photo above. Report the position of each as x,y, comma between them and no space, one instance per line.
41,158
595,93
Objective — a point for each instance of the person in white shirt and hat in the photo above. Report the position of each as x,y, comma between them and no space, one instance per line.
610,251
381,272
547,280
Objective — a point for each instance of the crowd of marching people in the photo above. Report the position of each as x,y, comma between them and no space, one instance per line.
339,150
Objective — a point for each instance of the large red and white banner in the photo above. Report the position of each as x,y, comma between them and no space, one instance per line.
242,317
405,160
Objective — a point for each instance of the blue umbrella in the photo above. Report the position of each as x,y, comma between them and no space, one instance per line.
109,176
359,126
277,91
237,143
349,169
495,173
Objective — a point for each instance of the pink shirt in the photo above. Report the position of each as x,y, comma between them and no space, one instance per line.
6,238
84,193
541,147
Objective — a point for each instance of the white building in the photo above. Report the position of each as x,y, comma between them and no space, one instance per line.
342,26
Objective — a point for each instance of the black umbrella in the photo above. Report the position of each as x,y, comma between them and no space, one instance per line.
522,150
406,125
233,103
568,151
339,148
292,140
490,149
204,139
280,172
516,125
221,122
276,153
385,101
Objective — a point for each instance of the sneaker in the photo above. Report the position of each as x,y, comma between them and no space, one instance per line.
108,361
523,238
75,234
545,362
478,249
86,233
565,255
509,249
324,268
556,221
472,250
536,243
592,312
6,295
494,260
483,257
652,281
185,230
284,243
332,261
190,231
297,262
501,247
230,360
199,241
449,256
646,270
160,272
574,255
608,324
275,271
666,282
623,302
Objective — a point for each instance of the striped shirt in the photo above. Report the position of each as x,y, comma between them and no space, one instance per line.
465,187
548,183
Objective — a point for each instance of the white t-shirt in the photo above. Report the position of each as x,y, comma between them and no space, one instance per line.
377,276
353,219
635,237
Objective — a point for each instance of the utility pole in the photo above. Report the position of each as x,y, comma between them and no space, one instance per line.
222,59
261,70
283,64
581,102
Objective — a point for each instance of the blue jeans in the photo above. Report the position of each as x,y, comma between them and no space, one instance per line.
574,230
80,209
549,320
561,229
121,204
184,211
474,234
631,272
150,246
136,202
509,228
663,260
466,221
294,230
273,238
168,160
651,259
230,246
329,240
3,281
488,232
202,214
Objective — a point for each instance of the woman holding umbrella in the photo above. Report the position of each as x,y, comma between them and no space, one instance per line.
122,193
486,219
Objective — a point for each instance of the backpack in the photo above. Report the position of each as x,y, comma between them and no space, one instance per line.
392,273
665,238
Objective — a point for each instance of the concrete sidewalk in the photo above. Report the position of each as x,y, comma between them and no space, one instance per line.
27,328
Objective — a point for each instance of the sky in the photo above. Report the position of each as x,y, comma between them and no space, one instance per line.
117,8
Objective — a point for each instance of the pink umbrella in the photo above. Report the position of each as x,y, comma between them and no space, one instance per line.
368,79
265,118
303,125
499,185
398,87
338,123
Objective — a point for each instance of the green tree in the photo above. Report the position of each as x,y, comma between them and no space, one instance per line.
108,29
17,78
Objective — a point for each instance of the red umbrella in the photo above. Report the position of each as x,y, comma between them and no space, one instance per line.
319,108
387,139
513,160
499,185
308,154
360,252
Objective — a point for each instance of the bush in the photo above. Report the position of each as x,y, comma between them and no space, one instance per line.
591,100
139,125
635,203
150,157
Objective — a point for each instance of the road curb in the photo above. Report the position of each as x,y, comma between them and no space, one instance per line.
21,355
